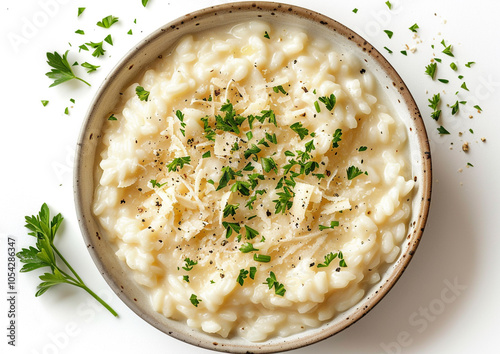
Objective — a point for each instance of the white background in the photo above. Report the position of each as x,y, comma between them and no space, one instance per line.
448,299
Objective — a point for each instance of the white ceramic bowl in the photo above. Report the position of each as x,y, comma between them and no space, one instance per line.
135,63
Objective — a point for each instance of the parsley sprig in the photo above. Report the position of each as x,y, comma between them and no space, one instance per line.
46,254
61,69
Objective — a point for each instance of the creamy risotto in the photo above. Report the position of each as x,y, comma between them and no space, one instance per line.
255,181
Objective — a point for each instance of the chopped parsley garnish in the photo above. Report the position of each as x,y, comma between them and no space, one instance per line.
299,129
389,5
470,63
249,135
362,148
414,28
404,52
453,66
178,162
353,172
108,39
194,300
45,103
261,258
189,264
269,114
209,132
185,278
142,93
355,10
98,49
389,33
107,21
272,282
112,117
328,259
130,32
469,164
90,68
284,201
206,155
155,184
266,35
448,51
80,31
230,209
253,198
241,186
332,225
328,101
336,138
279,89
268,164
272,138
478,108
454,108
227,175
444,81
230,227
250,233
145,2
434,101
180,116
61,69
80,11
438,60
464,86
66,111
230,122
388,50
442,131
242,276
431,70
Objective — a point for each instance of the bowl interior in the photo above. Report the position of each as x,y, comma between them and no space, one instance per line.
145,53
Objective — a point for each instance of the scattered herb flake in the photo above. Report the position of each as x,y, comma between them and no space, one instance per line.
189,264
464,86
442,131
388,50
389,5
453,66
470,63
316,106
194,300
142,93
80,11
454,108
353,172
444,81
389,33
362,148
404,52
279,89
328,101
355,10
299,129
178,162
90,68
112,117
108,39
266,35
130,32
107,21
206,155
478,108
145,2
448,51
431,70
80,31
332,225
45,103
414,28
336,138
98,49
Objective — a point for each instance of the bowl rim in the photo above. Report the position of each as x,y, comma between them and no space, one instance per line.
425,183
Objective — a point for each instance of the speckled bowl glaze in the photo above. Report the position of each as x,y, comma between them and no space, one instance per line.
135,63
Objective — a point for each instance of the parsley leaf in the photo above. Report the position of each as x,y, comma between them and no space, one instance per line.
189,264
336,138
45,103
284,201
469,64
178,162
90,67
112,117
61,70
266,35
227,175
299,129
268,164
108,39
362,148
142,93
464,86
353,172
431,70
241,186
230,209
414,28
454,108
328,101
107,21
194,300
271,281
144,2
154,183
98,49
80,11
448,51
389,33
180,116
250,233
230,227
279,89
328,259
242,276
442,131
